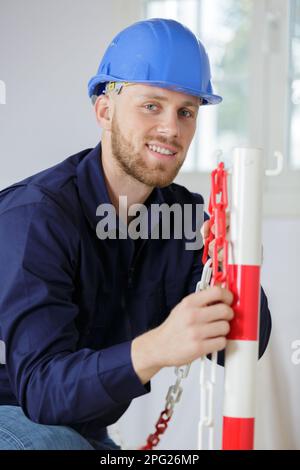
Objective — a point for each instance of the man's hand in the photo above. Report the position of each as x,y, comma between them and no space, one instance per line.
205,234
197,326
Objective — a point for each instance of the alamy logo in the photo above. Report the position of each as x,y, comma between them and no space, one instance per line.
159,221
295,358
2,92
2,352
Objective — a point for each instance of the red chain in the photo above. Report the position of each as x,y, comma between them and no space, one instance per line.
217,208
161,426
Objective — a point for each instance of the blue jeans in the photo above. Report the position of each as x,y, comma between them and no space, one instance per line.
17,432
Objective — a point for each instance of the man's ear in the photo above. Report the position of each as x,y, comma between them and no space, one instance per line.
103,110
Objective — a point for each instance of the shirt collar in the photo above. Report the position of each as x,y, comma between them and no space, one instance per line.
93,191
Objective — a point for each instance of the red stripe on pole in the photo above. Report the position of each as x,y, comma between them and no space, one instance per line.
244,283
238,433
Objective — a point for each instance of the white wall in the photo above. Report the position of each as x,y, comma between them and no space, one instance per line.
278,423
48,52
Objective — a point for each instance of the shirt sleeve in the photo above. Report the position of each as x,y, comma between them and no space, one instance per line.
53,381
265,316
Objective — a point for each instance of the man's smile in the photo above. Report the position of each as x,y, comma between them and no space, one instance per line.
162,151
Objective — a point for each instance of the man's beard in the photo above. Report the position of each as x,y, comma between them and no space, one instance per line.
133,164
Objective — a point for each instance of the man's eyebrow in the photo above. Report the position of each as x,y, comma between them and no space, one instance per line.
163,98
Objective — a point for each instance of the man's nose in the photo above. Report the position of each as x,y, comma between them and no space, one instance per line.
169,125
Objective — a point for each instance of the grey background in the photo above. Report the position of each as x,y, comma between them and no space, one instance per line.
48,52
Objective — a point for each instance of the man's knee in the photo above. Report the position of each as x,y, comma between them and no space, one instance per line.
17,432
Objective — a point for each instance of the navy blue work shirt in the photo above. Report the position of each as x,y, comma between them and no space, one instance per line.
71,304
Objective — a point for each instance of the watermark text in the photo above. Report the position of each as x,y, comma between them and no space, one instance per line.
159,221
295,357
2,92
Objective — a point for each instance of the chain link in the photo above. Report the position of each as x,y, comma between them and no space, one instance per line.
173,397
217,208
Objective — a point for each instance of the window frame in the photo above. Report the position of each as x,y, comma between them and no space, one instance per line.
269,109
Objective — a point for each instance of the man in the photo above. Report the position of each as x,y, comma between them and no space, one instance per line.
87,321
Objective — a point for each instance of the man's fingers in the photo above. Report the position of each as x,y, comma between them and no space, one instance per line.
217,312
216,329
227,224
211,250
214,344
210,296
205,229
227,219
205,233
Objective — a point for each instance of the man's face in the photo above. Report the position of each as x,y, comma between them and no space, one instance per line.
151,131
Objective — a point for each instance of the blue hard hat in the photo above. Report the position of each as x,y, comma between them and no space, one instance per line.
157,52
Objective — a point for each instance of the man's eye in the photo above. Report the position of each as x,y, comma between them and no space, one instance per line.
186,113
151,106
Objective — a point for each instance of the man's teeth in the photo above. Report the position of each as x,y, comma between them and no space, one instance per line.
164,151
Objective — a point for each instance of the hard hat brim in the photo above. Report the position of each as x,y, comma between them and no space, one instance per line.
97,80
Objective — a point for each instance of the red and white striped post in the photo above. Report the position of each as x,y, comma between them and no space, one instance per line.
244,261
